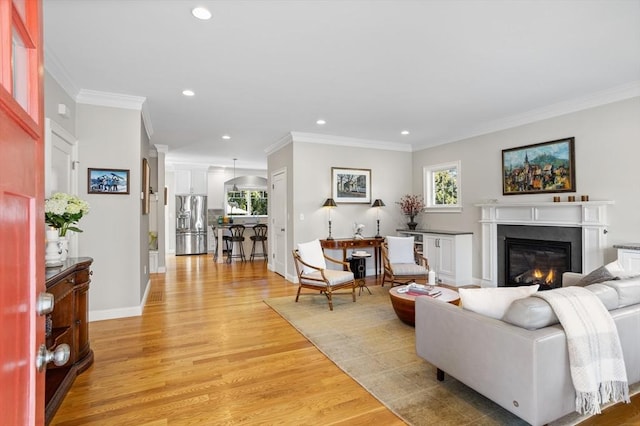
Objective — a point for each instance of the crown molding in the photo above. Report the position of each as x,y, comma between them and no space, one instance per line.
162,148
146,119
279,144
593,100
56,70
116,100
346,141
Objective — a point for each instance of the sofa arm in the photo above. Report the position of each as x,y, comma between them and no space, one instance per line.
571,278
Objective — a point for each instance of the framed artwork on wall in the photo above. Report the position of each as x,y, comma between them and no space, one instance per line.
539,168
107,181
351,185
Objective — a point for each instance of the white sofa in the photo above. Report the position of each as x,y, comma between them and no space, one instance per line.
526,371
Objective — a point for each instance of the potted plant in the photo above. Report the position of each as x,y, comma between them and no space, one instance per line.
62,212
411,205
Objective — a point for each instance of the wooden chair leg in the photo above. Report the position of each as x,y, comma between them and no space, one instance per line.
298,294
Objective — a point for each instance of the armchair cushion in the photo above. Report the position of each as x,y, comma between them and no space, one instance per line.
334,277
400,269
401,249
312,254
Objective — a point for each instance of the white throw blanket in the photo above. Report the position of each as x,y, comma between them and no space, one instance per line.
595,355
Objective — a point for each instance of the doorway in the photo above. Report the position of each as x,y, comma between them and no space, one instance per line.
278,228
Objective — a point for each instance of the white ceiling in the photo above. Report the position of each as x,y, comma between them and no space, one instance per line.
443,70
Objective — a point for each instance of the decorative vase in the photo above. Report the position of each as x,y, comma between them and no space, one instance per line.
412,224
63,246
52,250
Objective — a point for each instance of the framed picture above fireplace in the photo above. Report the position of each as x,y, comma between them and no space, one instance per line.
539,168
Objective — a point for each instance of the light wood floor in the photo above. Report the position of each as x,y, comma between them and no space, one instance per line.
208,351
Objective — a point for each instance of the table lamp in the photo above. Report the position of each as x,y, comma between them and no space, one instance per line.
378,203
330,204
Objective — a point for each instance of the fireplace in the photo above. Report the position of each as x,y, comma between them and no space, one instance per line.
529,262
587,221
529,255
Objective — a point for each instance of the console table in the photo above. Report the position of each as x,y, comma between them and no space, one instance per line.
350,243
67,323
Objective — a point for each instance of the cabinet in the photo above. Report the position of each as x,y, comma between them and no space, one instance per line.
448,253
191,181
67,323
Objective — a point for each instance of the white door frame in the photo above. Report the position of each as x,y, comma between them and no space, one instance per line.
278,224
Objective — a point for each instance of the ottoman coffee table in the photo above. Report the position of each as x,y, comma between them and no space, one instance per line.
404,303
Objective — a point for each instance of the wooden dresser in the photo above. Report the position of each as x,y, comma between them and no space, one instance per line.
68,323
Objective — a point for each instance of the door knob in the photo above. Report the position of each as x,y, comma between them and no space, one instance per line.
59,356
44,304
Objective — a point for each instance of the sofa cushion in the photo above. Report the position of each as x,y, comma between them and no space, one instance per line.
530,313
493,302
616,269
533,313
598,275
628,290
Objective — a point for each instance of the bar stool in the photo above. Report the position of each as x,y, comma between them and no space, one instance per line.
260,234
237,237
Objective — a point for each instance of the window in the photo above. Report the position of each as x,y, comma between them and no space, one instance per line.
443,188
247,202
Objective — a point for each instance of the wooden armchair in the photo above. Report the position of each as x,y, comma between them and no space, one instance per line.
313,274
402,263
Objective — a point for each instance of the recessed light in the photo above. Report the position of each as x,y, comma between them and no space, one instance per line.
201,13
188,92
404,132
226,137
321,122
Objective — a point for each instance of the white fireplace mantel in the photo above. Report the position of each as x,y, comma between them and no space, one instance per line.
591,216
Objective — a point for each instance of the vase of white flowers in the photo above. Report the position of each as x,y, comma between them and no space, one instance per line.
62,212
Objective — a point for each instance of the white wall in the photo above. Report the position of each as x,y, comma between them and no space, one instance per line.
55,95
606,151
110,138
309,185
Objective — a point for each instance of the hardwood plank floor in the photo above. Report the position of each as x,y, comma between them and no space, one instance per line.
207,350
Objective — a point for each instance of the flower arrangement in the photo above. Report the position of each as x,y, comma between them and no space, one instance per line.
411,205
62,211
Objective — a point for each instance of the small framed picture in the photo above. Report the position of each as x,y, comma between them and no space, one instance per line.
351,185
107,181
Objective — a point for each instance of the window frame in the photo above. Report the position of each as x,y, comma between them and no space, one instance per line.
429,190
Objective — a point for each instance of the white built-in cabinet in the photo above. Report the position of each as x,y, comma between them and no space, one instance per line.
448,254
194,181
629,257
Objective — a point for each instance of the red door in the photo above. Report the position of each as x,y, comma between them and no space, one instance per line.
21,211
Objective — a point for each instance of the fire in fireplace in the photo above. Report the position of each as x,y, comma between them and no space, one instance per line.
530,262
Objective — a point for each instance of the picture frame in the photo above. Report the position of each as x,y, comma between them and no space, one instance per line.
351,185
107,181
546,167
146,188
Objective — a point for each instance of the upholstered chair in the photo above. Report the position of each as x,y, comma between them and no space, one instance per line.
402,263
313,274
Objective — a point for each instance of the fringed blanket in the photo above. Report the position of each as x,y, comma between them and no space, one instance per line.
595,355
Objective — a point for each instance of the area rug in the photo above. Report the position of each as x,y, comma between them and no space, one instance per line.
367,341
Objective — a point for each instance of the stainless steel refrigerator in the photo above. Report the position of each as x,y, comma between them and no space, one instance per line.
191,224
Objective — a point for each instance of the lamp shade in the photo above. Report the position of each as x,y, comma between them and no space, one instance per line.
329,203
378,203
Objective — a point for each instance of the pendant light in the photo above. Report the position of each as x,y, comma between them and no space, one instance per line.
235,187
